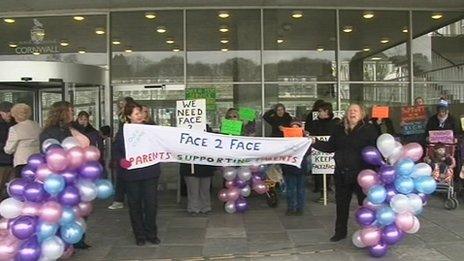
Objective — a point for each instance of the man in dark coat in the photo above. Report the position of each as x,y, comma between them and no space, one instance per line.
6,161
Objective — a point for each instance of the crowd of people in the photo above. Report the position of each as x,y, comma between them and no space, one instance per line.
21,137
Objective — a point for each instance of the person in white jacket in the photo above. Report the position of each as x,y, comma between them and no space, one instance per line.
23,138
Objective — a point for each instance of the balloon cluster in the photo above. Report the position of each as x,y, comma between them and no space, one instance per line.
45,213
396,193
239,184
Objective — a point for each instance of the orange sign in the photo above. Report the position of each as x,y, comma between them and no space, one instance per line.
293,132
380,112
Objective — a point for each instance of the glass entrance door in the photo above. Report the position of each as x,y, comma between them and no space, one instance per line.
89,99
18,95
46,98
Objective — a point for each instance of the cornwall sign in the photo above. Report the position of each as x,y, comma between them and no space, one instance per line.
37,44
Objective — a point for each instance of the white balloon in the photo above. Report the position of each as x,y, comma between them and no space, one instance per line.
400,203
69,143
230,207
245,191
52,247
396,154
48,142
356,239
11,208
415,227
229,173
244,173
420,170
87,190
81,222
415,203
386,143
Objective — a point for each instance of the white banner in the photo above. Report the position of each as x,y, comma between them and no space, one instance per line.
321,162
147,145
191,114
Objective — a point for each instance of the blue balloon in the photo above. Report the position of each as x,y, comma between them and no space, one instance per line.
45,230
404,185
54,184
385,216
68,216
404,167
426,185
71,233
104,188
377,194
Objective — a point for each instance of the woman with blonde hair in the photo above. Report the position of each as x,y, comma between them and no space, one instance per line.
23,138
347,141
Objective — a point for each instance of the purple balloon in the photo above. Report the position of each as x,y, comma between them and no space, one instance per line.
34,192
378,250
16,188
24,227
35,160
424,197
29,250
391,192
391,234
365,216
28,173
372,156
240,183
387,174
69,196
69,176
241,205
256,178
91,170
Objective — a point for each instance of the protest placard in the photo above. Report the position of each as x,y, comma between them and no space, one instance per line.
413,120
441,136
293,132
202,93
321,162
191,114
380,112
231,127
247,114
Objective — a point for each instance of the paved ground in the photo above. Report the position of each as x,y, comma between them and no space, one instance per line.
262,233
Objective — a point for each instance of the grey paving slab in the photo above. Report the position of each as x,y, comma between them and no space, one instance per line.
225,232
192,236
308,236
270,238
224,246
132,253
408,252
451,250
187,222
179,251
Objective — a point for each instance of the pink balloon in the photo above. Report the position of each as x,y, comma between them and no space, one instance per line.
43,172
31,209
233,193
83,209
92,153
57,160
9,245
51,212
3,224
371,236
223,196
405,221
76,157
413,151
260,188
415,227
229,183
368,178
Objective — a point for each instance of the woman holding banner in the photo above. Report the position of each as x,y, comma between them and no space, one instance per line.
140,184
347,141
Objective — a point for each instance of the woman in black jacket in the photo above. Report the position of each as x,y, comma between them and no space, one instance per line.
322,126
347,141
140,185
442,120
278,118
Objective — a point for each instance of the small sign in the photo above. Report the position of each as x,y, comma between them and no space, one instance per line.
293,132
321,162
247,114
441,136
202,93
337,114
191,114
231,127
413,119
381,112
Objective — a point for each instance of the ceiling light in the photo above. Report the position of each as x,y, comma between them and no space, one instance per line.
347,28
128,49
280,40
35,53
176,49
64,43
81,50
366,49
116,42
297,14
224,49
224,40
223,14
150,15
78,18
405,29
9,20
99,30
437,16
161,29
169,40
376,58
13,45
320,49
223,29
384,40
368,14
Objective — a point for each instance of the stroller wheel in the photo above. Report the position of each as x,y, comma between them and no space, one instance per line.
451,204
271,197
456,202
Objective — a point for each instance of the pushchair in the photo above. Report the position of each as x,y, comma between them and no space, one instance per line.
442,158
273,180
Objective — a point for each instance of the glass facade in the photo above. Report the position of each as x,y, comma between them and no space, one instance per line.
253,57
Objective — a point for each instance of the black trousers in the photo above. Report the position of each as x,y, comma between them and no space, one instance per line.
143,203
345,184
119,190
18,170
